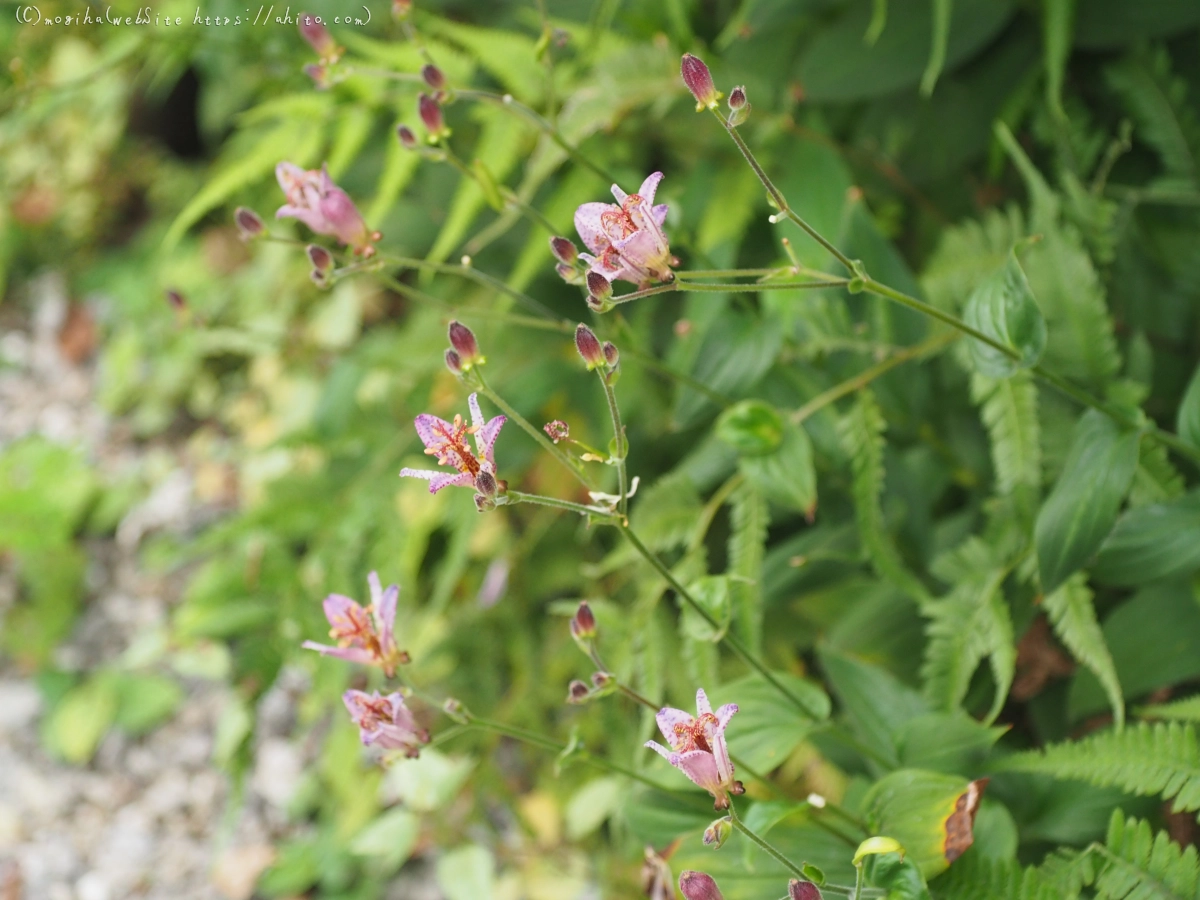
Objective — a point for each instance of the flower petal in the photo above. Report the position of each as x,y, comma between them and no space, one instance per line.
659,213
587,223
660,750
426,424
702,704
724,714
309,217
650,187
438,480
376,589
701,767
350,654
668,717
476,413
485,438
619,194
289,175
385,614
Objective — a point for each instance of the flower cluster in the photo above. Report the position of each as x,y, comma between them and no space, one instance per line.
385,721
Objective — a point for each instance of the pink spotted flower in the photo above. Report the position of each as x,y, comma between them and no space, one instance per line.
364,634
626,238
447,442
385,721
315,200
698,747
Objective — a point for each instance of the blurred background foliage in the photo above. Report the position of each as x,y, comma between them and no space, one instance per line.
125,150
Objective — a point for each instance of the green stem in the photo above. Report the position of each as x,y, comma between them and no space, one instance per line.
858,882
765,846
861,380
472,274
536,433
619,442
730,273
733,288
540,500
729,639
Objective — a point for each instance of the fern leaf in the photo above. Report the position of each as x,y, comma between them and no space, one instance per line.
966,626
975,877
747,544
1009,410
967,254
1157,479
1159,105
862,437
1074,619
1140,864
1185,710
1148,759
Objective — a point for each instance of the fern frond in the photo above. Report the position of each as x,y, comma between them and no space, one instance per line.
1157,479
967,254
861,432
1008,407
1148,759
1074,619
1070,870
1184,710
969,624
747,546
1159,105
975,877
1140,864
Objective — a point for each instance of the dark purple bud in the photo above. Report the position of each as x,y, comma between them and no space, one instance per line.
453,362
737,97
313,30
431,115
485,483
407,138
564,250
803,890
321,258
463,340
557,430
598,286
577,692
699,81
175,300
697,885
433,76
248,223
611,354
583,623
596,305
588,346
602,680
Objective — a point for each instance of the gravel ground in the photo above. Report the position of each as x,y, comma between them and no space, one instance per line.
147,818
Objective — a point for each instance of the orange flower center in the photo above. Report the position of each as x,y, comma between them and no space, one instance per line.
693,735
452,449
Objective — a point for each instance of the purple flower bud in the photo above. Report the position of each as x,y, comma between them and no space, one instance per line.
602,681
453,362
557,430
485,483
484,504
319,74
718,832
699,81
596,305
577,692
583,623
248,223
564,250
803,890
598,286
431,115
313,30
611,354
697,885
319,278
588,346
463,340
407,138
737,97
568,273
321,258
401,9
433,76
175,300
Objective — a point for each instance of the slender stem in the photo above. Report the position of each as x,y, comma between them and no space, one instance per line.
536,433
850,385
858,882
765,845
729,639
734,288
472,274
541,500
620,444
729,273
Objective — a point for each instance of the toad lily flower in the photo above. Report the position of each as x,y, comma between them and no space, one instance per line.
364,635
627,240
315,200
698,747
386,721
447,441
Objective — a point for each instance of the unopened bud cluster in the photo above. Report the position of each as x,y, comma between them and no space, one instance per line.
463,354
699,81
322,264
604,357
569,266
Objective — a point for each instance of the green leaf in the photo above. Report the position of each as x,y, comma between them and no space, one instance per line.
82,718
1082,508
665,515
901,876
428,782
1058,21
1009,407
295,870
1142,863
390,838
747,546
712,594
467,873
1162,758
1186,709
914,807
768,726
937,50
591,805
788,476
1159,104
660,816
145,702
751,427
737,351
1187,422
1003,308
979,878
1151,542
945,742
1073,616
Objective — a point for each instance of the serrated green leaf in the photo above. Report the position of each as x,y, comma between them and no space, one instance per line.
751,427
1082,508
747,546
1074,619
768,726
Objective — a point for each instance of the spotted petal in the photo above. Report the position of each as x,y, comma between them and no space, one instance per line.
438,480
350,654
667,718
650,187
724,714
589,226
701,767
660,750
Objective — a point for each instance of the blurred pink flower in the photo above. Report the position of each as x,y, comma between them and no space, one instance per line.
627,240
447,441
315,200
385,721
698,747
364,634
